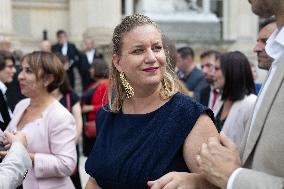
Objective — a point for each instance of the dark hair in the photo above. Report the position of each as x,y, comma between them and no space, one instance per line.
101,69
59,32
238,76
186,52
65,87
267,21
45,63
207,53
5,55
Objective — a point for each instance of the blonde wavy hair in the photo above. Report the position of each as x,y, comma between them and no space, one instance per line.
116,92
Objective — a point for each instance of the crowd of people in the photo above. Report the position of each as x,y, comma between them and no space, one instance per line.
152,118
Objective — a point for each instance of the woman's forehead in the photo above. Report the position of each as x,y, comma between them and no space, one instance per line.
143,33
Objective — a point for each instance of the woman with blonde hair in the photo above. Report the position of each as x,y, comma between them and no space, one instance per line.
149,128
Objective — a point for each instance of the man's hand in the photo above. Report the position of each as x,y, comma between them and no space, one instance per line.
17,137
172,180
218,161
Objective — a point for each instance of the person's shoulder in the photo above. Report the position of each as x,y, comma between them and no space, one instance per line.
74,97
250,99
22,104
104,112
70,44
186,103
104,83
57,112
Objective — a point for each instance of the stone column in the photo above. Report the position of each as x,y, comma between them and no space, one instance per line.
206,6
6,17
129,7
96,19
239,23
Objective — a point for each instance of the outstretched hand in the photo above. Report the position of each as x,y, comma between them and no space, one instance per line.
172,180
218,160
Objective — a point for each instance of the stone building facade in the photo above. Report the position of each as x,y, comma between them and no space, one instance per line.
221,24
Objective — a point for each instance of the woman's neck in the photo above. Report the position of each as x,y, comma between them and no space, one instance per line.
42,100
57,94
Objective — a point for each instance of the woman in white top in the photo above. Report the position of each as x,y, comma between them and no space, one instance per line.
234,78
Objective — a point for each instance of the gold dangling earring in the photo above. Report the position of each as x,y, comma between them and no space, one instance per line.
127,87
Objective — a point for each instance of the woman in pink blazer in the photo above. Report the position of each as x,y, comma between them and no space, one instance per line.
49,127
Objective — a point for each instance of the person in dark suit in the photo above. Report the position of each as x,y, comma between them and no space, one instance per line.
64,47
87,58
210,96
7,71
189,73
13,93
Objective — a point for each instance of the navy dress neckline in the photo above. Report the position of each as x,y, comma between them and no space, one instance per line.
132,149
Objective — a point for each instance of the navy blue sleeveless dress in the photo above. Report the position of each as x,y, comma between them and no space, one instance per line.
132,149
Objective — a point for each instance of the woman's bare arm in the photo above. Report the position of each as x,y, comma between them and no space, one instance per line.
92,184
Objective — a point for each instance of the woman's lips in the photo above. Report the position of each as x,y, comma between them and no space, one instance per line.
150,69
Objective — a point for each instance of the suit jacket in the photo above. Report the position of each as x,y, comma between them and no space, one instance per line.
4,112
205,95
262,151
52,139
14,167
195,82
85,69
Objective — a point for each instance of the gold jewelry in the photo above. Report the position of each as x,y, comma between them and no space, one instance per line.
127,87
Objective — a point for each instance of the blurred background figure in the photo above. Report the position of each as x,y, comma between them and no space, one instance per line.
94,98
210,96
7,72
234,78
6,43
254,75
45,46
64,47
13,90
71,101
264,61
87,57
50,129
189,73
171,53
90,50
266,29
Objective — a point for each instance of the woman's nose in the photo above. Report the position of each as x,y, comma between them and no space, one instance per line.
150,56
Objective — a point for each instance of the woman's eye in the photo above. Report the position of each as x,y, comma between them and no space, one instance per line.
157,48
137,51
28,70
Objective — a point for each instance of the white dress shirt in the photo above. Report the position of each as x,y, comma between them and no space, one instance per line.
64,49
90,55
274,48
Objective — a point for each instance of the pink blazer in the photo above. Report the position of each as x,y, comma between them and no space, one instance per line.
52,139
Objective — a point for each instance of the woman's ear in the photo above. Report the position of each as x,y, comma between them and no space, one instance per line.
116,62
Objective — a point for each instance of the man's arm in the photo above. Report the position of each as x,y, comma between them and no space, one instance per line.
250,179
14,166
